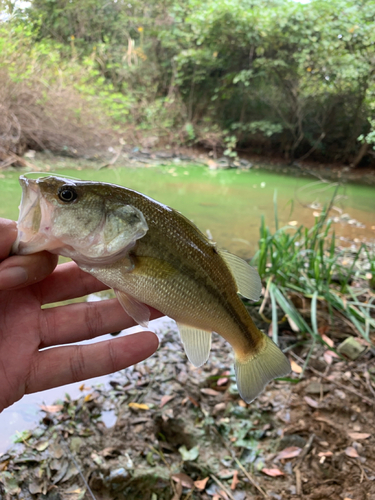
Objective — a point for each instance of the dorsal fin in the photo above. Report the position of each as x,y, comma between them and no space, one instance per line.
197,343
247,278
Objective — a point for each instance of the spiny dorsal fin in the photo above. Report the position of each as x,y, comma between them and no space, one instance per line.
247,278
136,310
197,343
254,373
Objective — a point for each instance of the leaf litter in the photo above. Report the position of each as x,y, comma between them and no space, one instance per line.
184,433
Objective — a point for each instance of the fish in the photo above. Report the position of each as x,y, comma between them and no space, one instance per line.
152,255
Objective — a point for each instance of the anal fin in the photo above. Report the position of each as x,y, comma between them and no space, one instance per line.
136,310
197,343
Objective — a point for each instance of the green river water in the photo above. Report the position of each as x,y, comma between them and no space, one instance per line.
228,204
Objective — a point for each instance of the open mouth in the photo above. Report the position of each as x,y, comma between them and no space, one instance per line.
29,239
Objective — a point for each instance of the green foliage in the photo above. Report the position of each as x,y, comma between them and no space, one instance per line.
306,262
281,76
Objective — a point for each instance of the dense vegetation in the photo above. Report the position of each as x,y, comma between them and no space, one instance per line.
274,76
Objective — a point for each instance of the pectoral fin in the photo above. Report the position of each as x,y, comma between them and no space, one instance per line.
136,310
247,278
197,343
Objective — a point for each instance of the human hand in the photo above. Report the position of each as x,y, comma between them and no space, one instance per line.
27,283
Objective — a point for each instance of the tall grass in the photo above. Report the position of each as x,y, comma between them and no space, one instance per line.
307,263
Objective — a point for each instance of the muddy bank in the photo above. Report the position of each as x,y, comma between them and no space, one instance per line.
184,433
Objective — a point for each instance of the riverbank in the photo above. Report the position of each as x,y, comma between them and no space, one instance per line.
184,433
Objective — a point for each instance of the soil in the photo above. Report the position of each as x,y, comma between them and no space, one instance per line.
184,433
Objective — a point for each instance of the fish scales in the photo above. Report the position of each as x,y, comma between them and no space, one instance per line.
151,254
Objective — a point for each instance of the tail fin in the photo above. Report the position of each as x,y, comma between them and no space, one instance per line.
255,373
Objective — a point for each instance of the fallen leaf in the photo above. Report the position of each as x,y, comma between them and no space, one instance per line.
184,479
165,400
327,340
210,392
87,398
351,452
292,324
358,435
311,402
218,408
295,367
226,473
201,485
273,472
327,355
222,381
178,493
235,480
189,455
242,403
51,408
290,452
41,446
138,406
321,418
325,454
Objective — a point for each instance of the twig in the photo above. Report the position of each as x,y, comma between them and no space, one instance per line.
222,486
298,482
301,458
65,445
304,451
252,481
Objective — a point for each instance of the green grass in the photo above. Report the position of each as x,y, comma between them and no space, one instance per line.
308,263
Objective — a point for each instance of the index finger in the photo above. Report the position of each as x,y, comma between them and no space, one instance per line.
8,232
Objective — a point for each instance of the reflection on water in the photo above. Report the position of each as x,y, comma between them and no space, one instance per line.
227,205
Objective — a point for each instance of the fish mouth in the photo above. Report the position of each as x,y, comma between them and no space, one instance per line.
29,239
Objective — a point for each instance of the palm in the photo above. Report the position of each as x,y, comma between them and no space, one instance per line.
26,328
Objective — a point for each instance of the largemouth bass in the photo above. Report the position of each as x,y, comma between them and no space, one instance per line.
152,255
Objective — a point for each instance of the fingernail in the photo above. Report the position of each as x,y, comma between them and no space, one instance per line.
13,276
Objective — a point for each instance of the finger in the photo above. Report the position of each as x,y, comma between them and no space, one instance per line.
64,365
8,231
67,282
22,270
84,321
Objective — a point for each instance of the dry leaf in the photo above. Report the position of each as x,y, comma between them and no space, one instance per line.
325,454
273,472
327,355
87,398
327,340
210,392
311,402
222,381
201,485
184,479
138,406
165,400
235,481
358,435
295,367
292,324
51,408
351,452
290,452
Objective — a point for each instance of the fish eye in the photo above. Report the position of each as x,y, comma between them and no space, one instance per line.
67,194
